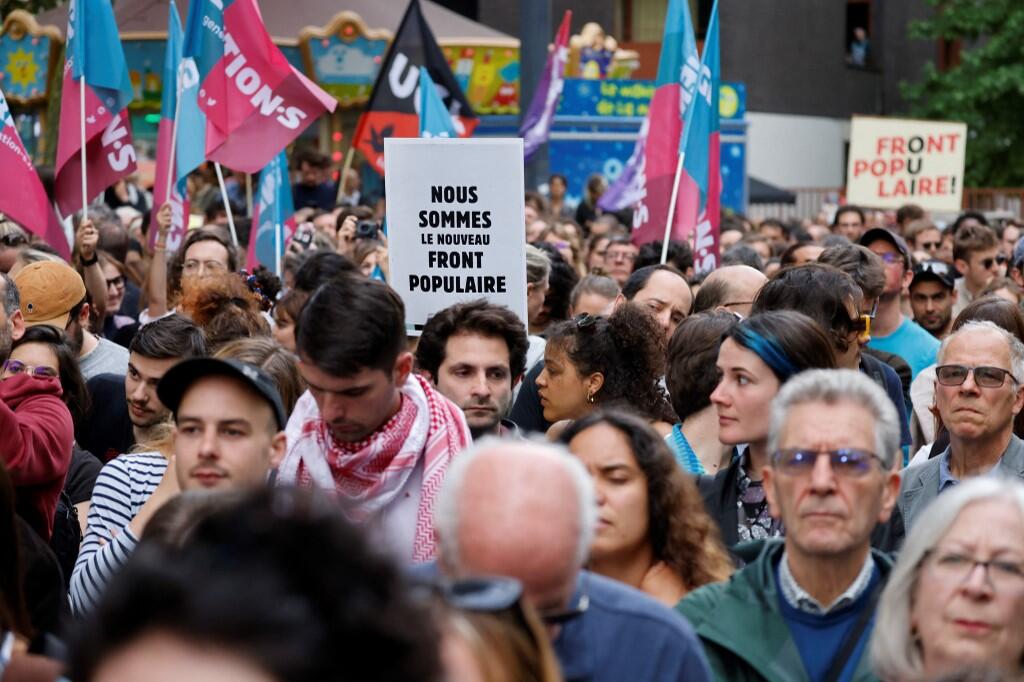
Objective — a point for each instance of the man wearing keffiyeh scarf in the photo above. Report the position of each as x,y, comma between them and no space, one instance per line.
369,430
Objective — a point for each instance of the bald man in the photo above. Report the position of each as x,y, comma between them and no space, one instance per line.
731,288
527,510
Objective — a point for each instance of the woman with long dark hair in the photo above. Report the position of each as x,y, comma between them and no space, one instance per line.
653,532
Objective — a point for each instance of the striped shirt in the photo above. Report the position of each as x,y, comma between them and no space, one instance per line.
122,487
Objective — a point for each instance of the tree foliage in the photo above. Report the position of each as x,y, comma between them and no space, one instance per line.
986,90
33,6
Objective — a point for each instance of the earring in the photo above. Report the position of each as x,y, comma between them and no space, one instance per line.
590,398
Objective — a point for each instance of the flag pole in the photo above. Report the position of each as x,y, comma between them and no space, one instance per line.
248,194
81,111
227,204
277,249
174,149
344,171
672,208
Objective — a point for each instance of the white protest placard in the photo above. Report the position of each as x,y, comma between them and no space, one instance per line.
455,223
897,161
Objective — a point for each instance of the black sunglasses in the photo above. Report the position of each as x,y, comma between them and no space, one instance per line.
987,263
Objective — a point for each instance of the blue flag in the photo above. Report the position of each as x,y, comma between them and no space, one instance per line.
434,118
94,51
273,216
201,49
701,117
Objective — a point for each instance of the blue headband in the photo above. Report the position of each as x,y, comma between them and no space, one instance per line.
769,351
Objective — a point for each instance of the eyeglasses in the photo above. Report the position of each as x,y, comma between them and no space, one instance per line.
620,255
193,266
12,240
585,320
890,258
732,303
989,262
986,377
931,246
845,462
1002,575
18,367
116,282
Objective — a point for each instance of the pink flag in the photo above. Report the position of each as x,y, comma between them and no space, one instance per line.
255,101
95,56
165,189
24,200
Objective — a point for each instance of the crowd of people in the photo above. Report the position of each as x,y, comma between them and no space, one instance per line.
802,465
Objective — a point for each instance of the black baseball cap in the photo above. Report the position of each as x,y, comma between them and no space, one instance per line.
876,233
178,379
934,271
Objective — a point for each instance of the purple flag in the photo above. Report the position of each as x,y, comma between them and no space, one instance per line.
537,122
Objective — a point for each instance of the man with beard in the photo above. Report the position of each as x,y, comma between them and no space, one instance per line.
53,293
933,296
474,354
369,430
891,330
126,408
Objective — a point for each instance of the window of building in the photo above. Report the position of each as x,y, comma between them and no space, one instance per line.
859,52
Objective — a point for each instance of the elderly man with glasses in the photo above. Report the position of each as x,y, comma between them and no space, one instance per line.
978,393
802,609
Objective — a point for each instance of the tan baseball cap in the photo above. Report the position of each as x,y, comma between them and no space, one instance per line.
49,291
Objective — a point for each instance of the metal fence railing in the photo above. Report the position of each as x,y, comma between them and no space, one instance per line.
811,200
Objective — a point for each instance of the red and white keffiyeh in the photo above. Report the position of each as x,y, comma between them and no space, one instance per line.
371,473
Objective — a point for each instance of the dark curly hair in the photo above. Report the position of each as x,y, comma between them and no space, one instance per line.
279,579
561,280
627,348
680,531
691,375
75,394
474,317
821,292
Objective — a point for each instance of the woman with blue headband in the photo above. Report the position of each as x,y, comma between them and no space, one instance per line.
756,357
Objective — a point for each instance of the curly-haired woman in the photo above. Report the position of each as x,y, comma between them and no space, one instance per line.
652,532
591,361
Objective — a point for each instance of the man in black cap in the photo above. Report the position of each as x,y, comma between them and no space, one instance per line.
891,330
229,434
932,297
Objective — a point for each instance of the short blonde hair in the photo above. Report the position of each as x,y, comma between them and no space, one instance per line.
895,654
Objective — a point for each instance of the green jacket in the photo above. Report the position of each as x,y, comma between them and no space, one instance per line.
742,629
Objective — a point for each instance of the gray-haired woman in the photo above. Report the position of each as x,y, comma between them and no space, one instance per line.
956,596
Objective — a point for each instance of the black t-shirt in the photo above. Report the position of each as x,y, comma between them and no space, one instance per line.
107,431
82,473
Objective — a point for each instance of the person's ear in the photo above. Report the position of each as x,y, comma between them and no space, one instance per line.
83,316
890,490
17,325
619,300
1018,400
278,447
516,380
594,383
403,367
961,266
